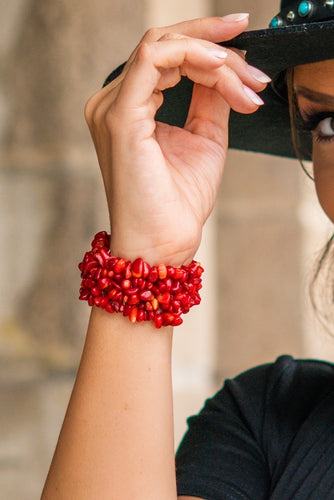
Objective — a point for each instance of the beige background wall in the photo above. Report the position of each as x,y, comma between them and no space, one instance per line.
257,248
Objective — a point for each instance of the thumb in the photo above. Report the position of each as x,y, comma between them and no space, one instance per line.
208,115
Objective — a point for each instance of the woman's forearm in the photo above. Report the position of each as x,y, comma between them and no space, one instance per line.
117,438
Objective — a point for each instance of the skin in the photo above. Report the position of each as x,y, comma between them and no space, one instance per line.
117,438
314,86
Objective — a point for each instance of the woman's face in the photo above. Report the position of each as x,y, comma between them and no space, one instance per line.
314,87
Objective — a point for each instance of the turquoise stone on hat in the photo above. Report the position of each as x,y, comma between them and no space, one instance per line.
304,8
275,22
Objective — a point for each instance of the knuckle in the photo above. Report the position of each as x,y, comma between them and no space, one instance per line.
89,109
171,36
152,34
144,51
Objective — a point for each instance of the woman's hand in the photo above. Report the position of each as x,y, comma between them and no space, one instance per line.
162,181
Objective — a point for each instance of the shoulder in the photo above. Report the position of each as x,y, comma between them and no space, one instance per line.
287,383
275,393
281,381
250,424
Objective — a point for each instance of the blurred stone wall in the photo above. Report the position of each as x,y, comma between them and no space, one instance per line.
53,198
53,56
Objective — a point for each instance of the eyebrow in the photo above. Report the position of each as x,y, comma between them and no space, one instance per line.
317,97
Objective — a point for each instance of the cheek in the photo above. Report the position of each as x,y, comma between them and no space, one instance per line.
323,166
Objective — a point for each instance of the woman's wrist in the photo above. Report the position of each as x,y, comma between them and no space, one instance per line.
130,247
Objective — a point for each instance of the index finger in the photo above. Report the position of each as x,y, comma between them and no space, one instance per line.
213,29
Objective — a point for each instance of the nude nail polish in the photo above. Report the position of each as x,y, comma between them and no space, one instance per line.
253,96
232,18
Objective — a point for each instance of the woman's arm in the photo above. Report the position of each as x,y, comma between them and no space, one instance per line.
161,183
117,437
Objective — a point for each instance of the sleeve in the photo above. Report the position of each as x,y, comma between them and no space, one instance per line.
242,444
221,455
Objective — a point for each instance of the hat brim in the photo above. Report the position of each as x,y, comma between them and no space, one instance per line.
272,50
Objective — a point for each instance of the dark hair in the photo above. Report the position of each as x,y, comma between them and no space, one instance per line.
321,286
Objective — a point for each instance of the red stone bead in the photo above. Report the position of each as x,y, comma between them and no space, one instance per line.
96,273
95,291
146,269
177,321
178,274
99,258
158,320
175,305
165,307
119,266
137,268
88,283
116,306
105,254
164,298
133,299
145,295
90,265
153,274
112,293
127,310
170,271
133,314
162,271
116,285
176,287
168,318
128,270
84,295
140,315
100,239
126,284
104,283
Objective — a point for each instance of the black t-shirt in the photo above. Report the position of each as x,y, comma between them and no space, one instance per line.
267,434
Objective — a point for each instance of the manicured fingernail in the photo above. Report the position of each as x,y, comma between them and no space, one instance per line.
253,96
219,53
259,75
232,18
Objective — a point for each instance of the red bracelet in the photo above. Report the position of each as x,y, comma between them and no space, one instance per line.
137,290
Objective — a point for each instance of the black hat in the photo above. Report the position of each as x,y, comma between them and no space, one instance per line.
302,33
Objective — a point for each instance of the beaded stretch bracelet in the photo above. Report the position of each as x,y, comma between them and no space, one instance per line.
135,289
